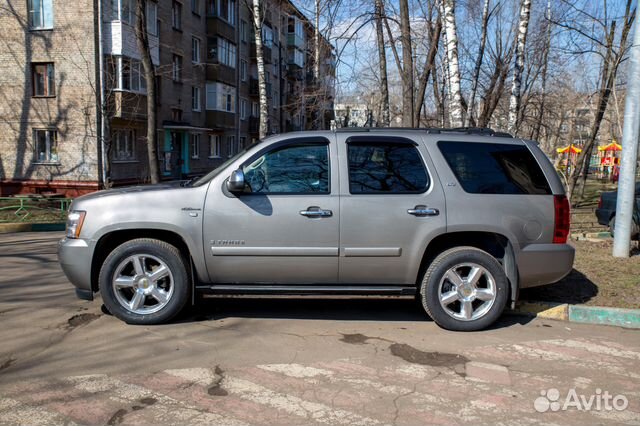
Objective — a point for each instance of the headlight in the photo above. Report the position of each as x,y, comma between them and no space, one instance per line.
75,219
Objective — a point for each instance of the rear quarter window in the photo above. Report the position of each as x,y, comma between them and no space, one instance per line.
491,168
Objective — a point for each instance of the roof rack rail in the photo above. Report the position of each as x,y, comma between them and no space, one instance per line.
483,131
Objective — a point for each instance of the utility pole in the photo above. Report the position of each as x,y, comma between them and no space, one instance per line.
630,133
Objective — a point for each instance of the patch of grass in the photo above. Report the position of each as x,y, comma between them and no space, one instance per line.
15,210
597,279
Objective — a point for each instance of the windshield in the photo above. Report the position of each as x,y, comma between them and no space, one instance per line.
215,172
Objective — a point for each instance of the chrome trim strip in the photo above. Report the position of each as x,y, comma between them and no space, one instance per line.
274,251
372,251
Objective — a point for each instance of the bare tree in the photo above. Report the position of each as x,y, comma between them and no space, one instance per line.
256,13
407,66
429,65
478,65
613,55
142,39
451,48
382,62
521,41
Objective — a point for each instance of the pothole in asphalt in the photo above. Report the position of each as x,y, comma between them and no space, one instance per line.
216,389
81,319
355,339
433,359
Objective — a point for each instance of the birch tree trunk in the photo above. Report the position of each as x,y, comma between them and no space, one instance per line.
407,66
543,89
382,63
476,71
262,80
521,42
451,50
142,40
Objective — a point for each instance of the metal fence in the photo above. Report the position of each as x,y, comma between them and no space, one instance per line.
33,209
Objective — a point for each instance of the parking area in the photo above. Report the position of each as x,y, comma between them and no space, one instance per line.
292,361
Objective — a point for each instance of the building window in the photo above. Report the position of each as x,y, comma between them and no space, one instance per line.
176,114
123,143
243,30
40,14
176,15
231,146
128,74
243,70
195,50
195,99
267,36
222,51
195,6
243,142
43,78
225,9
46,144
177,68
152,18
255,109
214,146
243,109
195,145
220,97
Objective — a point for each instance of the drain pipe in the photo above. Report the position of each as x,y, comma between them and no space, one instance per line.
103,159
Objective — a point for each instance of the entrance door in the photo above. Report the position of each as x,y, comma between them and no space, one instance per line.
283,229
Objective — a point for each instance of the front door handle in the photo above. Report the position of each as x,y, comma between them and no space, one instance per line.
423,211
315,211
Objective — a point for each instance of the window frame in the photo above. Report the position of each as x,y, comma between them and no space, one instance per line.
176,68
306,141
131,135
42,25
49,80
388,140
197,58
195,140
48,131
216,142
196,99
176,15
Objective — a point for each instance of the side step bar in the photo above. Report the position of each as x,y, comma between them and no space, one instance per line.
300,290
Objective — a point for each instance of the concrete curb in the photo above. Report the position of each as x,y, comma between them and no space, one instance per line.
627,318
6,228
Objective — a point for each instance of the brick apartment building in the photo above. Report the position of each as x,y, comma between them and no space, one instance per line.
55,104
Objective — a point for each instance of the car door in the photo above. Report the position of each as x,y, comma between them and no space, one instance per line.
391,204
283,229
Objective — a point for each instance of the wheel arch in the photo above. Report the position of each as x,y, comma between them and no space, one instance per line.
497,245
110,240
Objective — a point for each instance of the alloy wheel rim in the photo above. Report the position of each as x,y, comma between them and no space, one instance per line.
467,291
143,284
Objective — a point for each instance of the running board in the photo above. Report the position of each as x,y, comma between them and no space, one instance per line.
299,290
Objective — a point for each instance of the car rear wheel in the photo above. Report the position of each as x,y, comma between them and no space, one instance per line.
464,289
144,281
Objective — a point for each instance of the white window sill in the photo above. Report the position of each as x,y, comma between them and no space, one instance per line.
214,157
125,161
47,163
135,92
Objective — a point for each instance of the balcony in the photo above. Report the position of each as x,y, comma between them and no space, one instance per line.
295,73
119,39
295,58
221,120
267,53
128,105
294,40
222,73
219,27
253,87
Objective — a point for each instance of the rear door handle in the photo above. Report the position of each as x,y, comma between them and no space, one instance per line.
423,211
314,211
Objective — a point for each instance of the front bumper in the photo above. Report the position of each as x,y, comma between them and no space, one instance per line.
540,264
75,257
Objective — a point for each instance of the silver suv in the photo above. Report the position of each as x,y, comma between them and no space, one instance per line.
461,218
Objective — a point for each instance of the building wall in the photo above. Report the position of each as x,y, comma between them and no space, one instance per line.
69,45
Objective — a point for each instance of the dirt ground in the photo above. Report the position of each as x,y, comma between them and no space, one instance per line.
597,279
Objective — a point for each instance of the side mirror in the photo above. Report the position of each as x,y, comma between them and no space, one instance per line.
235,183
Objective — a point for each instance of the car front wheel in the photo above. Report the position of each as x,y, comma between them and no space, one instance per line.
464,289
144,281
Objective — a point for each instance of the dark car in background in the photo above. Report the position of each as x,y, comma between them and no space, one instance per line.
606,211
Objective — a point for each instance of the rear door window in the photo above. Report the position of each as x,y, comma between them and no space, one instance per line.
386,168
491,168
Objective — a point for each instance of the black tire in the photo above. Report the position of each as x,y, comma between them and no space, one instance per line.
177,279
635,229
459,257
